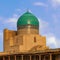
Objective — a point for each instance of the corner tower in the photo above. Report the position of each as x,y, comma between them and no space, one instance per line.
28,24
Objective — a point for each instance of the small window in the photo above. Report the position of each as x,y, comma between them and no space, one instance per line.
16,33
34,39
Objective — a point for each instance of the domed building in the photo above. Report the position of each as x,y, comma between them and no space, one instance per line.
29,23
26,43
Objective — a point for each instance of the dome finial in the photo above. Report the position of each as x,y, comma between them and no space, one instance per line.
27,10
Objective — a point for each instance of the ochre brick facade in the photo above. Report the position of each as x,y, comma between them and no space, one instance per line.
16,41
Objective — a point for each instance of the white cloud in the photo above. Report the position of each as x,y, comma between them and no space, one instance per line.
11,20
40,4
51,40
55,3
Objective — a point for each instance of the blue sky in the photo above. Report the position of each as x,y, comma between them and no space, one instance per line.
47,12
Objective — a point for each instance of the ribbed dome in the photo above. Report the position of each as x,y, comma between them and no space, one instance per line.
27,18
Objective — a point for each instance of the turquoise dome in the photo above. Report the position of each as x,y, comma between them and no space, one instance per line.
27,18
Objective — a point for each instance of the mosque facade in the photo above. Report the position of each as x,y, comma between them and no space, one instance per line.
26,43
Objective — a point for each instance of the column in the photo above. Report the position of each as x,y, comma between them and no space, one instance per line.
44,57
50,56
34,57
15,57
39,57
9,57
22,57
30,57
3,58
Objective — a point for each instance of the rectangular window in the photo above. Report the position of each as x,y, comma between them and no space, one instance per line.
34,39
